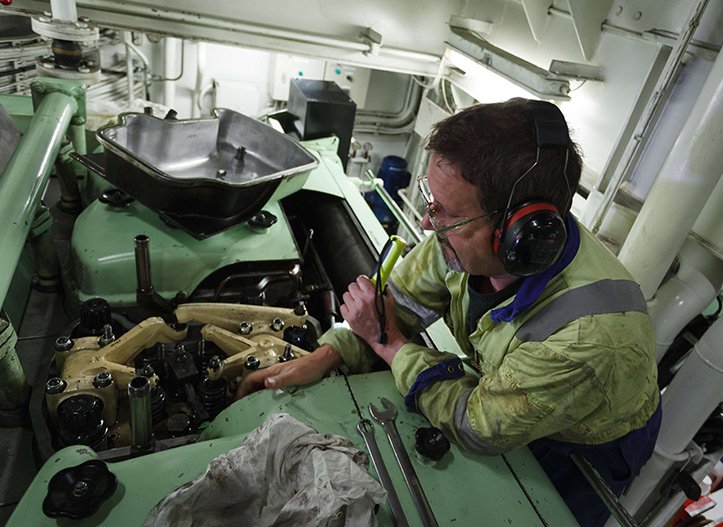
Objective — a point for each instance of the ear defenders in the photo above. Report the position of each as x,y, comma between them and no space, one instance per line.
531,235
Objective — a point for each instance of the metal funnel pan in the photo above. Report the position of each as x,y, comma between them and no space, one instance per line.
203,175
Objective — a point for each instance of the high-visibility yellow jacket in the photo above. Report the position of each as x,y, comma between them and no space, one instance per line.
577,366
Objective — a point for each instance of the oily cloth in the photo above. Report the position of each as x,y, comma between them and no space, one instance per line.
284,474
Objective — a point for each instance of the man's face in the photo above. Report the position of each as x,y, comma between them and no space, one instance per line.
468,247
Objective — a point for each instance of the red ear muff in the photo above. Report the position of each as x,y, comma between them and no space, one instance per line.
532,235
530,239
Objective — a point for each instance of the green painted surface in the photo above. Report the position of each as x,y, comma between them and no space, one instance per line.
144,481
14,391
41,87
538,487
462,489
20,108
19,290
26,175
102,261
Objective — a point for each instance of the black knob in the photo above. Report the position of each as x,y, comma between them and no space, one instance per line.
81,420
115,197
263,219
431,443
94,314
77,492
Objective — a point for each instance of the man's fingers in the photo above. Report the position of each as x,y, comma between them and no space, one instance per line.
364,284
279,380
249,384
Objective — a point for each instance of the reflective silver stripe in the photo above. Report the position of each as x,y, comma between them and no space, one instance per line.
425,315
470,440
605,296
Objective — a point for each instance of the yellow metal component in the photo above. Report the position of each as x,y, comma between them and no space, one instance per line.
230,316
86,359
265,347
145,335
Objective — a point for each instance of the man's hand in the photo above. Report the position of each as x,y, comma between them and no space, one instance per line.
361,314
303,370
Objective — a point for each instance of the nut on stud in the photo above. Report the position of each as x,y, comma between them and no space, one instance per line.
102,379
252,362
63,344
55,385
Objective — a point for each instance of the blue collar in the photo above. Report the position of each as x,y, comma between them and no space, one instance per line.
532,286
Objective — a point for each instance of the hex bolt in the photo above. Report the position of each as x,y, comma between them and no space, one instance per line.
300,309
277,324
63,344
252,362
103,379
55,385
221,172
245,328
107,337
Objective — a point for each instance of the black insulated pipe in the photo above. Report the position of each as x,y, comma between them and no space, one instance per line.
143,264
139,399
146,296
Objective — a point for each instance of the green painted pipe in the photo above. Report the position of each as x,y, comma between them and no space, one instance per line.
26,175
14,391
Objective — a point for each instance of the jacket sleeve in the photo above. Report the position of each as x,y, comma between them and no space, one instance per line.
536,392
417,284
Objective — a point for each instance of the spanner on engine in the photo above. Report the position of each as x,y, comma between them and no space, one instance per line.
366,429
386,419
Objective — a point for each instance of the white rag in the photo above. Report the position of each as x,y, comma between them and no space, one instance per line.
284,474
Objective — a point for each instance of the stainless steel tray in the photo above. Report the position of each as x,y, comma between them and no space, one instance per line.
204,175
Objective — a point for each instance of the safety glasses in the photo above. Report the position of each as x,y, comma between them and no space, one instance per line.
440,224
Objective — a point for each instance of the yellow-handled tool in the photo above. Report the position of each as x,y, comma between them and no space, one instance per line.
390,254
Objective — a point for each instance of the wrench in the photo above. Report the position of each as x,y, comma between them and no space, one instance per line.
386,419
366,429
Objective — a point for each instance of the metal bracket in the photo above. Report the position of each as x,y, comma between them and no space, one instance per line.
587,18
43,86
537,15
574,70
372,39
479,27
542,83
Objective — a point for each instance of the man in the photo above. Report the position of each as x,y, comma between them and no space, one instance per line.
551,321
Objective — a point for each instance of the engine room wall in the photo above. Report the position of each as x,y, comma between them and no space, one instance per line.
598,111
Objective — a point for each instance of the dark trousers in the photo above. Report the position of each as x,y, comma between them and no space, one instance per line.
617,462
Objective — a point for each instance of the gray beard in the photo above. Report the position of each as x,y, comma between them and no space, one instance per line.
450,255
